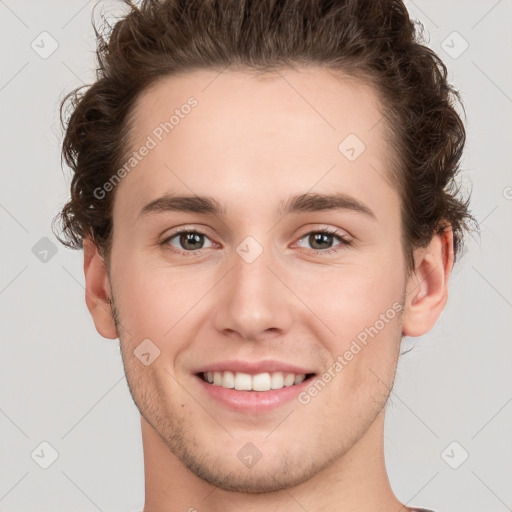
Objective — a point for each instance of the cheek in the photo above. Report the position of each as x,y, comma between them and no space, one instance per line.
355,297
362,307
152,299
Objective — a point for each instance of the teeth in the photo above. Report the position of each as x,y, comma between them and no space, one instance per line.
228,380
289,379
299,379
243,381
259,382
276,380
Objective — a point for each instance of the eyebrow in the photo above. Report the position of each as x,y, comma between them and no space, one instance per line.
300,203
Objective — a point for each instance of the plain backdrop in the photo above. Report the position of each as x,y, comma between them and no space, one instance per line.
448,443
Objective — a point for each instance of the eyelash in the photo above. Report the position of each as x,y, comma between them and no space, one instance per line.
344,241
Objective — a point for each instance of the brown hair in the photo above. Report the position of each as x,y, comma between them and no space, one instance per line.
374,41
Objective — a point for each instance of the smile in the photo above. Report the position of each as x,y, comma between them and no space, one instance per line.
259,382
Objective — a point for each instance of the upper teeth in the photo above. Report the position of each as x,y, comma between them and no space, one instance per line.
258,382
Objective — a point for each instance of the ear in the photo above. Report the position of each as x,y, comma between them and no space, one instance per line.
427,287
98,291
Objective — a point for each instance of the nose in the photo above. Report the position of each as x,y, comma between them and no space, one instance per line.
253,301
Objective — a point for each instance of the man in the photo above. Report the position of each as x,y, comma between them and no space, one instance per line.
263,194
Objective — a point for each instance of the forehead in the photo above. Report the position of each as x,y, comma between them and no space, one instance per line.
241,132
248,103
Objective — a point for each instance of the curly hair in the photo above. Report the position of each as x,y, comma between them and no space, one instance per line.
376,42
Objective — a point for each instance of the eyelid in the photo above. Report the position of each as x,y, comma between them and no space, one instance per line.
195,228
332,230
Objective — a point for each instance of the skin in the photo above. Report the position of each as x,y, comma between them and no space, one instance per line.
251,142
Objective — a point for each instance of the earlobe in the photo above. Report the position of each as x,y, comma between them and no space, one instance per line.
97,290
427,287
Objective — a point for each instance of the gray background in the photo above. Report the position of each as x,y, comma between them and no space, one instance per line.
63,384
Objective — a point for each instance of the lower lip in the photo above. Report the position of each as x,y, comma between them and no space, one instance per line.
254,401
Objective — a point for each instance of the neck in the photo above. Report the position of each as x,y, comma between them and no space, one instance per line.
356,481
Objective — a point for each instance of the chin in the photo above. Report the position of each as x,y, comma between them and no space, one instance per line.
267,478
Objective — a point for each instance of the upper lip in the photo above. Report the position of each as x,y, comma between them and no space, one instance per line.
254,367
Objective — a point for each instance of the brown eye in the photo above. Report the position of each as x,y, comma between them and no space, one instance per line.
191,241
322,241
186,241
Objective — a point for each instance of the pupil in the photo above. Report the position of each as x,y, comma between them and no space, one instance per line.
193,238
320,238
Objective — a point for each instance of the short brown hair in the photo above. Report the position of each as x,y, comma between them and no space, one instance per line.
375,41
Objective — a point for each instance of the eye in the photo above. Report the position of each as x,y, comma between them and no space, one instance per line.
188,241
321,240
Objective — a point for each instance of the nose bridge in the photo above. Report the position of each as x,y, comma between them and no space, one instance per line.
253,301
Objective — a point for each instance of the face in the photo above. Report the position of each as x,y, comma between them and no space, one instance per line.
270,282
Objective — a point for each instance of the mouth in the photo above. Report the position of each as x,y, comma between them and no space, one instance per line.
259,382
